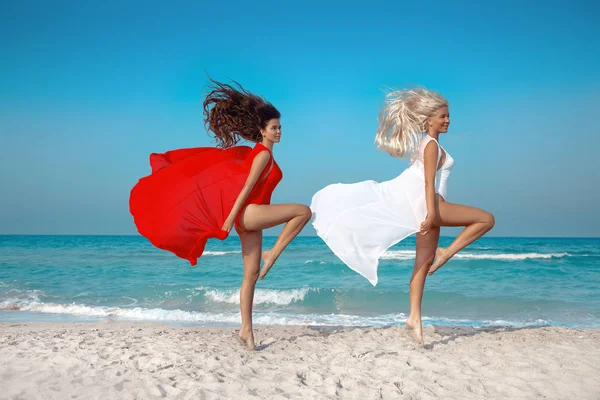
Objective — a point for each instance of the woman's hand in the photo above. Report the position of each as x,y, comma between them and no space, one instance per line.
426,225
227,225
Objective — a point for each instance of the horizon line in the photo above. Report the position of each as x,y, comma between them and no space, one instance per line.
311,236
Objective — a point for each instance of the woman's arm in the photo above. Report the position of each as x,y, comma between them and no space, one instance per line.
258,165
430,156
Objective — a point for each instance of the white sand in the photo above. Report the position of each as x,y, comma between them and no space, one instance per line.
120,360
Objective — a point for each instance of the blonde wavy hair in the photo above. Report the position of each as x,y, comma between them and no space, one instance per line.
403,119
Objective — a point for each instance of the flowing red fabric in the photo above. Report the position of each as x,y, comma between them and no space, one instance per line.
190,193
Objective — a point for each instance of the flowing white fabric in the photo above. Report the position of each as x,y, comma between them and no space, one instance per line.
360,221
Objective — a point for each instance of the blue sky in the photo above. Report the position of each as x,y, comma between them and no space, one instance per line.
89,89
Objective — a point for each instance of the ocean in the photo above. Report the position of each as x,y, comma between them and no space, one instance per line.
495,281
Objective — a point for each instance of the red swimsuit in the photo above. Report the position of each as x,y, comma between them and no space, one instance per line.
191,192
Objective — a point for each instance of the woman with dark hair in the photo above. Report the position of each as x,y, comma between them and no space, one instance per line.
196,194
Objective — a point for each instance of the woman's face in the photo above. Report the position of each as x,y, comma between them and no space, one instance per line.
440,121
272,131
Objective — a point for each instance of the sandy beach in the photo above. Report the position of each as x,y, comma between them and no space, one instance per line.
122,360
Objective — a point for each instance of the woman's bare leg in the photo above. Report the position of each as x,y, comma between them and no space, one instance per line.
426,247
251,249
258,217
475,220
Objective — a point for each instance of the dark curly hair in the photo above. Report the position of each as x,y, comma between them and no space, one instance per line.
233,113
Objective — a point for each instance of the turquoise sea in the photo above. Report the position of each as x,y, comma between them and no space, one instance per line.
496,281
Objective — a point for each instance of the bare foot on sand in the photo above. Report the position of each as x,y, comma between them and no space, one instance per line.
441,257
417,330
247,338
268,261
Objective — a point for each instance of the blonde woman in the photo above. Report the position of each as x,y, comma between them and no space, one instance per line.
360,221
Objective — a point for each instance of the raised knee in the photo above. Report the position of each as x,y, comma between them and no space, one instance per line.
305,213
490,221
